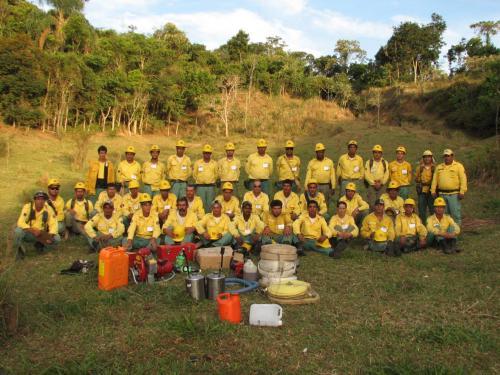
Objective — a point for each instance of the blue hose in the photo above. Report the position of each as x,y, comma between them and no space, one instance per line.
249,285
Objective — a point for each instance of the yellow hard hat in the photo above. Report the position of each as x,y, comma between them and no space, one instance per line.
380,236
145,197
320,147
53,182
130,149
227,186
448,152
377,148
351,186
393,185
352,142
208,148
164,185
262,143
439,202
154,148
134,184
401,148
180,143
409,201
80,185
230,146
289,144
312,181
427,153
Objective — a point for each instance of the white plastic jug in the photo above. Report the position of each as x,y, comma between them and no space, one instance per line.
250,271
266,314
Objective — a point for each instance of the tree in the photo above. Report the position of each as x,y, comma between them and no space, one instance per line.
486,29
237,47
349,51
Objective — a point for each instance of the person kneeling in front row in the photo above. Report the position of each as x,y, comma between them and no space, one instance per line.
443,230
378,230
144,229
343,229
180,225
214,228
312,231
410,232
105,229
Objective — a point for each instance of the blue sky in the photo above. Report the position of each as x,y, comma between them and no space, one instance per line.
307,25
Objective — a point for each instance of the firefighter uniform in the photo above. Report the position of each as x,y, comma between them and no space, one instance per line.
401,173
78,212
99,225
130,204
217,228
246,229
312,229
357,202
229,207
350,169
436,227
411,228
288,168
178,225
229,169
205,176
162,207
291,204
382,230
179,170
319,197
196,206
260,203
323,171
117,203
126,171
376,170
276,225
152,174
338,225
142,229
99,175
260,168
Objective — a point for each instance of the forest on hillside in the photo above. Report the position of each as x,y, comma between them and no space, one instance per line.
59,73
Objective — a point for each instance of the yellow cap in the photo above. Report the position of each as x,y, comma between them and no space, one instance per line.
80,185
377,148
351,186
448,152
207,148
54,182
401,148
262,143
352,142
320,147
410,201
312,181
180,143
155,148
427,153
393,185
134,184
230,146
145,197
380,236
227,186
289,144
439,202
130,149
164,185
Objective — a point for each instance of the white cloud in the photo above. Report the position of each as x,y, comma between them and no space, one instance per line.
287,6
400,18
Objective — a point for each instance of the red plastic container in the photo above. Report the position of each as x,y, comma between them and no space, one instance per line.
229,307
170,252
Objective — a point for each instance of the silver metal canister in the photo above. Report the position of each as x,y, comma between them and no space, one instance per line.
215,285
195,286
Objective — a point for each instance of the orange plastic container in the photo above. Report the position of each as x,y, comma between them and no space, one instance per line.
229,307
113,268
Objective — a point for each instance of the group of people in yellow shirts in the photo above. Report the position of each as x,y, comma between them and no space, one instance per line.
178,201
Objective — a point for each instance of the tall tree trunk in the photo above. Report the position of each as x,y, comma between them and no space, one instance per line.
43,38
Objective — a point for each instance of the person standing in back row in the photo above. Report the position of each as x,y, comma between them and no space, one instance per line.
205,173
229,168
100,174
259,166
128,170
376,175
350,167
321,170
450,183
400,172
423,180
153,171
179,169
288,167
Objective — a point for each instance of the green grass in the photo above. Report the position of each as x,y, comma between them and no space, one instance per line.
424,313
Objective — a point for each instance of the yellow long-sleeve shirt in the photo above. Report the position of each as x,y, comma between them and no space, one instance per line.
449,178
205,173
229,207
152,174
277,224
128,171
436,226
81,213
179,223
130,204
288,169
99,223
400,172
215,226
323,171
160,204
396,204
37,222
291,204
96,170
410,226
179,168
196,207
342,224
312,228
379,171
117,203
371,224
356,202
229,170
320,198
259,167
144,226
260,204
350,168
239,227
58,204
423,176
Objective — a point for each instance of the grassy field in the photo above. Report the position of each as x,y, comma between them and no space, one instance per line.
423,313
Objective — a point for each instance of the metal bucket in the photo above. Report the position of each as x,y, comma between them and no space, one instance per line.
215,285
195,286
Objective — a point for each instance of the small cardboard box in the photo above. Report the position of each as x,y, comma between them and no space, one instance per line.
209,258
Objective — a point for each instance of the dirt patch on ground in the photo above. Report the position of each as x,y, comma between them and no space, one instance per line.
473,224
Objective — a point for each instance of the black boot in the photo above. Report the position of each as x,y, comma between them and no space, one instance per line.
21,253
39,247
339,249
300,250
448,247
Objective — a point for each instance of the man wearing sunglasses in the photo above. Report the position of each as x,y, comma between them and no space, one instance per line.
57,204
